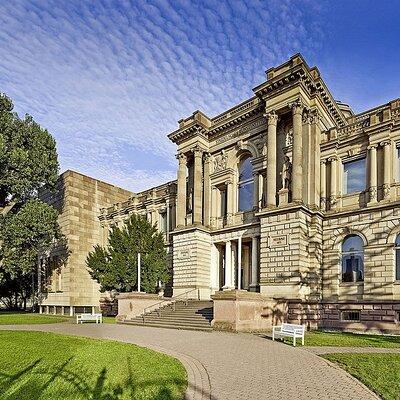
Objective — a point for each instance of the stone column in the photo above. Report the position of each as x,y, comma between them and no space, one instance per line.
386,168
256,191
168,216
207,190
214,205
229,201
307,162
254,261
214,270
297,165
333,196
323,185
198,186
239,263
260,178
373,174
271,159
315,154
181,194
228,266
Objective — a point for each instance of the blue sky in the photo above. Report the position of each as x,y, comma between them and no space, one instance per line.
110,79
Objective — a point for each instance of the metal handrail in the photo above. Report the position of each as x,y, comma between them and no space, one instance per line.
171,301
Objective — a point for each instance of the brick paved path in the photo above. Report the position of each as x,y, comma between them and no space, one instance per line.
233,366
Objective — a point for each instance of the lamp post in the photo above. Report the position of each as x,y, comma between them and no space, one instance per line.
138,272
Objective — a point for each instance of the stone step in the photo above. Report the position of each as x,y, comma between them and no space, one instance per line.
174,320
174,326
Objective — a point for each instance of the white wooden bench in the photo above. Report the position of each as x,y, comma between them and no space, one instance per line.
289,330
81,318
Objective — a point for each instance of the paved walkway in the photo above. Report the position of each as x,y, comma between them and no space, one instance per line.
233,366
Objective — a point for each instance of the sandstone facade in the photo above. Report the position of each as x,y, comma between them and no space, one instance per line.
289,194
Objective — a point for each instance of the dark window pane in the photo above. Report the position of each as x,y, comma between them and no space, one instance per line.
397,242
354,176
245,170
246,196
398,264
352,243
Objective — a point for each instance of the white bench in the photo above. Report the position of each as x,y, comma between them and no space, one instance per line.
289,330
89,317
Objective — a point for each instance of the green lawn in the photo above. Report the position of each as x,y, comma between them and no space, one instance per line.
37,365
343,339
380,372
19,318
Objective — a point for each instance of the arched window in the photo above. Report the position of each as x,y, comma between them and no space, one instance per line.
245,184
397,255
352,259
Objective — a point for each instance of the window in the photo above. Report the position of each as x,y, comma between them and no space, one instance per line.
350,315
223,209
397,255
354,176
163,222
398,163
352,259
245,185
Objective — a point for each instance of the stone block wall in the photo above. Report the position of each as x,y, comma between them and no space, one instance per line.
79,199
373,316
378,228
290,253
192,259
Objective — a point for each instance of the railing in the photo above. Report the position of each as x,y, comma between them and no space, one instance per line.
169,302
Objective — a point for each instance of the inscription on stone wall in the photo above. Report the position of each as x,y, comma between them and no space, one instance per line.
238,132
278,241
184,254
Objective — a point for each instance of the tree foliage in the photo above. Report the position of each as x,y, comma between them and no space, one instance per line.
28,227
115,266
28,156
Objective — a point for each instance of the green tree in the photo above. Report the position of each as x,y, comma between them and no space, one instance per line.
31,232
28,164
28,157
115,266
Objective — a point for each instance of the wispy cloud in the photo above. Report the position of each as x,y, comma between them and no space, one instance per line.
110,79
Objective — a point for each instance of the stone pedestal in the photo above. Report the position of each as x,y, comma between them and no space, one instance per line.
242,311
132,304
283,197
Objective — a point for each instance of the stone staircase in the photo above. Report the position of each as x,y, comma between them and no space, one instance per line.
192,315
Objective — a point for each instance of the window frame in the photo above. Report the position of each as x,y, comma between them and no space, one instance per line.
245,182
397,258
352,253
360,157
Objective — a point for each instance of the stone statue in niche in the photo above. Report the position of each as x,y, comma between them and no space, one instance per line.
286,173
189,201
289,137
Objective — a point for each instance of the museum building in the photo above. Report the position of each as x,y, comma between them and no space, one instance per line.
286,203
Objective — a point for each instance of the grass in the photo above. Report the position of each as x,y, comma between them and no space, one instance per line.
345,339
380,372
44,366
19,318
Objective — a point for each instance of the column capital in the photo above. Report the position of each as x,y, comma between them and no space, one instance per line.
272,117
307,116
332,158
207,157
297,106
385,143
372,146
197,151
181,157
324,161
315,116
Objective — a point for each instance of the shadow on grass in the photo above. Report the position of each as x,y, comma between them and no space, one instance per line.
32,381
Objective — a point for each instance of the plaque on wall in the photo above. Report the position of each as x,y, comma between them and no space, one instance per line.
184,254
278,241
